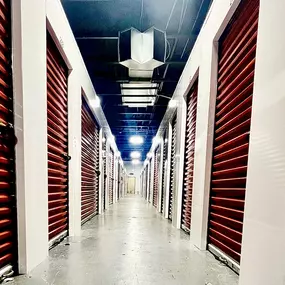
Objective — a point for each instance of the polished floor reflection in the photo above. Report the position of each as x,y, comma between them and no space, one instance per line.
130,244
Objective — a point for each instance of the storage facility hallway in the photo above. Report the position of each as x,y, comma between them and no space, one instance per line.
130,244
142,142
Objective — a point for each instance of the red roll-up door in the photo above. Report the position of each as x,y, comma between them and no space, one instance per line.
189,157
118,183
149,179
155,178
104,173
165,145
57,131
111,178
172,165
232,129
8,215
89,164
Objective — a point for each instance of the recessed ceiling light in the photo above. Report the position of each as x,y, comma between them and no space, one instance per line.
111,138
136,140
172,103
95,103
155,141
135,154
136,161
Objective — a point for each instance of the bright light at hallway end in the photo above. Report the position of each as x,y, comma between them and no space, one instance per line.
135,154
137,140
95,103
172,103
136,161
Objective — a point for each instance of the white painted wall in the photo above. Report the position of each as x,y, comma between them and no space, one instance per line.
264,222
179,163
29,81
167,176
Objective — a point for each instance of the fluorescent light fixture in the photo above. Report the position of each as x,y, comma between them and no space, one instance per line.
137,93
137,105
111,138
136,140
136,161
103,140
135,154
172,103
166,140
155,141
95,103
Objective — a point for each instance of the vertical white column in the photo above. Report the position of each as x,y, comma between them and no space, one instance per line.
108,173
179,166
151,179
207,90
167,172
30,104
160,186
101,176
148,182
74,149
263,249
115,184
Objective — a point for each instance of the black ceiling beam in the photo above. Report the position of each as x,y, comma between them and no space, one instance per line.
119,136
140,79
140,95
135,113
142,128
147,102
117,94
134,120
138,88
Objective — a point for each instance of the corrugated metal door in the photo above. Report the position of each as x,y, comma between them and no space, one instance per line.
111,177
57,131
149,180
232,128
8,222
119,181
104,172
165,144
172,165
89,164
155,178
189,157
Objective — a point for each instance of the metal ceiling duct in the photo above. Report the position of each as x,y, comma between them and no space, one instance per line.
141,53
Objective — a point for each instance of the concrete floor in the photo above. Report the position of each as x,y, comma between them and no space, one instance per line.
130,244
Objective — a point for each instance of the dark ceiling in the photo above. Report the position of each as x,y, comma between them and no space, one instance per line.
96,24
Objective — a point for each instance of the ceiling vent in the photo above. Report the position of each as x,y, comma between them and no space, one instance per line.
141,53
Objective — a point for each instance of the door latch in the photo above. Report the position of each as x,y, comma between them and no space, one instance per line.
7,133
66,157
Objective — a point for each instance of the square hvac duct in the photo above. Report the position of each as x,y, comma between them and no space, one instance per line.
142,51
